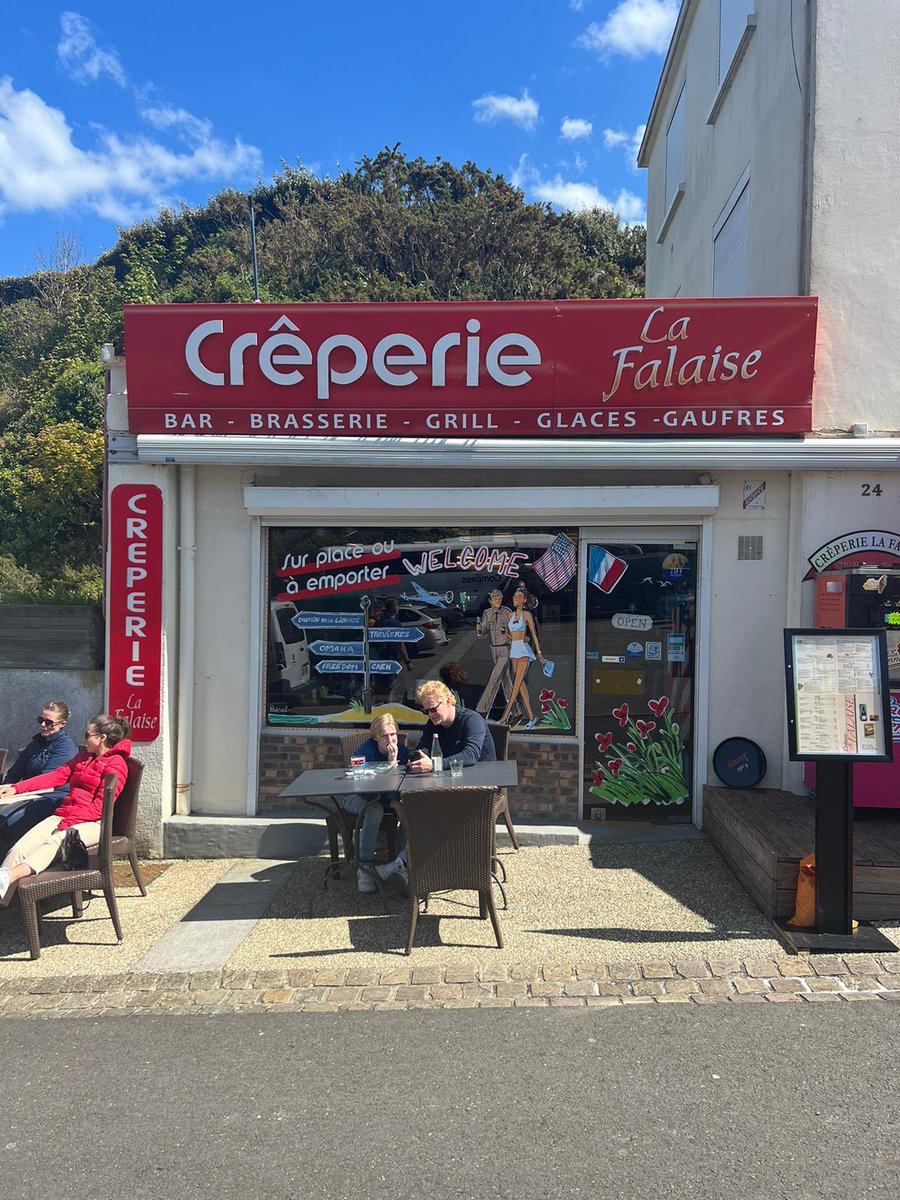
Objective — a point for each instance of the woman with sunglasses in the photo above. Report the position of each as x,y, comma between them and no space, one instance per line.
50,747
106,751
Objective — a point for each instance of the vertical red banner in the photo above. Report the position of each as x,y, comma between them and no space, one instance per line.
134,609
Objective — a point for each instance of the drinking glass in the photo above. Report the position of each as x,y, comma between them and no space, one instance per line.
456,768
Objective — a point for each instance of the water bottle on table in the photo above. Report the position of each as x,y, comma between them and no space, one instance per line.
437,754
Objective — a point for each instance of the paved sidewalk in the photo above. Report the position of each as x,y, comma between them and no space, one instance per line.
588,926
821,979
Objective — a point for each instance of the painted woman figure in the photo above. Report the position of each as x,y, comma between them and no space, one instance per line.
520,627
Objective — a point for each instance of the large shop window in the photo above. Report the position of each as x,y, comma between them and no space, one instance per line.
357,618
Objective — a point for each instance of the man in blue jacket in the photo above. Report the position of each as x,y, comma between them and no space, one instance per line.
50,747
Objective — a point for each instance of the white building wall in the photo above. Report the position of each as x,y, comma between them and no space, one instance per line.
223,691
747,614
855,259
758,126
157,795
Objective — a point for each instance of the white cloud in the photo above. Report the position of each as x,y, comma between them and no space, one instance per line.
491,108
573,128
576,5
574,196
190,128
615,139
635,28
120,179
80,55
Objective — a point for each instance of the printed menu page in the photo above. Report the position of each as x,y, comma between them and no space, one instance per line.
837,707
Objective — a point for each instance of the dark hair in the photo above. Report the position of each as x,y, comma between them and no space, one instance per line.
114,729
528,601
453,674
57,706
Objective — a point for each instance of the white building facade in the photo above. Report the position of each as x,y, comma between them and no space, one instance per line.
665,560
772,166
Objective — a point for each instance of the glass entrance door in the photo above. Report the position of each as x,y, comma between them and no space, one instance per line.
640,613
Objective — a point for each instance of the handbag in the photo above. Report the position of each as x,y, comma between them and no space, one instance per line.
549,666
74,851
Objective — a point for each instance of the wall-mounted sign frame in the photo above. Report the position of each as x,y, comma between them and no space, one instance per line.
838,699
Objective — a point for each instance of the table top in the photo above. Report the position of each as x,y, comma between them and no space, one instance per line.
334,781
481,774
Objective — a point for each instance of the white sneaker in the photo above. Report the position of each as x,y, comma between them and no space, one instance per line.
364,881
391,868
396,875
4,882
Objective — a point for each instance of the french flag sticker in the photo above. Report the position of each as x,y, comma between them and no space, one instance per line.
604,569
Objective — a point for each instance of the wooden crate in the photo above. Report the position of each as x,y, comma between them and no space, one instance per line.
762,834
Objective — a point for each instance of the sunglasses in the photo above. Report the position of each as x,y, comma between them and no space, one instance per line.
44,721
429,711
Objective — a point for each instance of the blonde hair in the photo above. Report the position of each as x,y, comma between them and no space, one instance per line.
380,725
433,689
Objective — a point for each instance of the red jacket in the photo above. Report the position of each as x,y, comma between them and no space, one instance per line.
86,777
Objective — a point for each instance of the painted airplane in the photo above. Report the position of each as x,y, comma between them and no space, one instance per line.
420,596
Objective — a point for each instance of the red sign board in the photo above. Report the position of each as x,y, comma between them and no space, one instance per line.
570,368
135,607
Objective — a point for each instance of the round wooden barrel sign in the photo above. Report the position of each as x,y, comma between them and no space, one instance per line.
739,763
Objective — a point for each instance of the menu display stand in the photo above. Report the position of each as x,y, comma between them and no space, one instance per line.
838,708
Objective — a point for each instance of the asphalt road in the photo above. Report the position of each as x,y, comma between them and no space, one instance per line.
758,1102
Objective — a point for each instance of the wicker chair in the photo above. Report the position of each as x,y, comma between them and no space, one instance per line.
450,838
97,874
500,734
345,824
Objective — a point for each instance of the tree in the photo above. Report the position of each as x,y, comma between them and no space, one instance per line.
391,228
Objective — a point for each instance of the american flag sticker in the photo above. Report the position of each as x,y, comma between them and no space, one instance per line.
604,569
556,566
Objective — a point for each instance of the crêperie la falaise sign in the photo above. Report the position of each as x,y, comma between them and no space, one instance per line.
596,368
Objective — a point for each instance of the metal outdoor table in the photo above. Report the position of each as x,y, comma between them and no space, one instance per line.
502,774
325,787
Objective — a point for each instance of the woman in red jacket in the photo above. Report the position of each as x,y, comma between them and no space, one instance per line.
106,750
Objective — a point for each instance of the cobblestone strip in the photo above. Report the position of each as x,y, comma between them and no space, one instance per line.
817,979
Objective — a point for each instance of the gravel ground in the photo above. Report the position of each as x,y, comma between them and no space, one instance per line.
568,904
88,946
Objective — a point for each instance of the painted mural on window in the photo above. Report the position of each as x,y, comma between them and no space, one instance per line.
358,618
640,606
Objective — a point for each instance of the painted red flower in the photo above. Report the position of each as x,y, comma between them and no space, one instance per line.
598,777
614,764
645,728
630,746
545,707
604,741
658,707
563,703
546,695
621,714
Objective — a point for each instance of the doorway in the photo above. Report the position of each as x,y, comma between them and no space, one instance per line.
640,605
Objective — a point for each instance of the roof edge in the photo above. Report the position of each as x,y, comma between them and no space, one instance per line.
684,13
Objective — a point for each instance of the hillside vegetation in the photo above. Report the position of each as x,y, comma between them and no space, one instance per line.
391,229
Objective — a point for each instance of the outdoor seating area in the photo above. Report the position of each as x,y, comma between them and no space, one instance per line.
451,821
117,840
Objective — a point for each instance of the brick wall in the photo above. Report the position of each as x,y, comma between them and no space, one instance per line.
548,772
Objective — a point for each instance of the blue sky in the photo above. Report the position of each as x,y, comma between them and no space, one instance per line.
109,110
